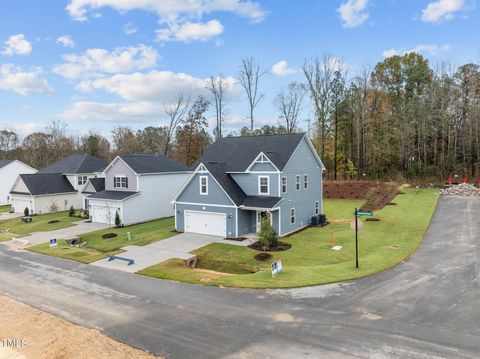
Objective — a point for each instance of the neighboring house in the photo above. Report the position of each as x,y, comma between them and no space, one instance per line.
239,181
56,187
9,171
138,187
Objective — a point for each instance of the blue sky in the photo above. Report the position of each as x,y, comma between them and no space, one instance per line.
96,64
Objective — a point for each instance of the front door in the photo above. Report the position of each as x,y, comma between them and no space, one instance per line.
262,215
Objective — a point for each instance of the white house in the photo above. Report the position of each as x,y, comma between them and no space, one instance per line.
138,187
9,171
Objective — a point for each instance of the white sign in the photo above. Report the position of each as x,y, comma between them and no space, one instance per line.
53,243
359,224
277,267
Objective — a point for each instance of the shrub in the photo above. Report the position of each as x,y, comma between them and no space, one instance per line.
26,211
118,222
53,207
71,212
267,236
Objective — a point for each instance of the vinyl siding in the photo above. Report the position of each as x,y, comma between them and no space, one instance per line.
249,183
119,168
43,204
8,176
246,222
302,162
263,167
216,195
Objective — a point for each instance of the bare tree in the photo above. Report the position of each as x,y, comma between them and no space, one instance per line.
176,114
289,104
218,86
249,78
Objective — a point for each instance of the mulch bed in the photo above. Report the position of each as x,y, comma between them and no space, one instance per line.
280,247
53,221
372,220
239,239
109,235
262,257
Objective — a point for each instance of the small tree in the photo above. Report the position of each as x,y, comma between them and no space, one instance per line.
26,211
71,212
118,222
267,236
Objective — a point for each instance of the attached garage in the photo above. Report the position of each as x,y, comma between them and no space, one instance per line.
211,223
104,213
19,205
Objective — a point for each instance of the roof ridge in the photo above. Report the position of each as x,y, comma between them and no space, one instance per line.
81,162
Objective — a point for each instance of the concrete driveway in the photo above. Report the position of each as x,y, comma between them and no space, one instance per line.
427,307
178,246
7,215
78,228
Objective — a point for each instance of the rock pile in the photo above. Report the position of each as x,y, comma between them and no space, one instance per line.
462,189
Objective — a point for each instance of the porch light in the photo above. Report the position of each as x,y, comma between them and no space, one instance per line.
230,216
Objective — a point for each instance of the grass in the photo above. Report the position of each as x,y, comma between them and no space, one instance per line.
97,248
4,209
39,224
311,261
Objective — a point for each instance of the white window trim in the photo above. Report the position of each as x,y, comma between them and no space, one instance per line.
286,184
206,185
83,179
317,208
259,186
120,182
294,216
305,183
298,183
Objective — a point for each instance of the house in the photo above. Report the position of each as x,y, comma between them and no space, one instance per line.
56,187
9,171
93,186
138,187
240,181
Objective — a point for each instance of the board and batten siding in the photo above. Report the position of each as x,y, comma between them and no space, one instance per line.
216,195
8,175
248,182
120,168
302,162
154,199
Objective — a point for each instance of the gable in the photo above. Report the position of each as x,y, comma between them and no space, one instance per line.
89,188
191,193
20,186
119,168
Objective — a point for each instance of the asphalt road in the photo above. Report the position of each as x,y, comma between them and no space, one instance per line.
426,307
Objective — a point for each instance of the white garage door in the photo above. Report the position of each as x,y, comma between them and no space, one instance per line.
20,204
214,224
103,214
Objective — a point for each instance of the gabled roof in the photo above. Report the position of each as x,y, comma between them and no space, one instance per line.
46,183
233,190
260,201
112,195
76,163
239,152
3,163
143,163
98,184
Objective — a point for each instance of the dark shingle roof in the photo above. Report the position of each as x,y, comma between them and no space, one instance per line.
153,163
239,152
112,195
76,163
46,183
260,201
98,184
3,163
218,171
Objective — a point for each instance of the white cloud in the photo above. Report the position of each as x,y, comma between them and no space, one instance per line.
430,49
95,62
23,82
336,64
190,31
17,45
281,69
443,10
353,13
66,41
129,28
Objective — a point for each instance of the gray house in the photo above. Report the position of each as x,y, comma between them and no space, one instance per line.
239,181
138,187
56,187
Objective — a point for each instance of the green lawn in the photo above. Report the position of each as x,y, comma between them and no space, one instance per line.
4,209
311,261
39,224
97,247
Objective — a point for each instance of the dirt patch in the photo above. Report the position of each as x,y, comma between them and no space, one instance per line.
391,204
283,317
280,247
53,221
262,257
393,247
49,337
109,235
372,220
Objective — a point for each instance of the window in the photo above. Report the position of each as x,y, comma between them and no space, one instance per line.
292,216
81,180
203,185
120,182
263,185
297,183
305,181
317,207
284,184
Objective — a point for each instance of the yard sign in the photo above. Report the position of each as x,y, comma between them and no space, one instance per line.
53,243
277,268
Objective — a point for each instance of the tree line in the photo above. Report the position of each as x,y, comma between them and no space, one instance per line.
400,119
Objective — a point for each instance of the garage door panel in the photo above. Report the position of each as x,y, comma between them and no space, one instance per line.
206,223
20,204
103,214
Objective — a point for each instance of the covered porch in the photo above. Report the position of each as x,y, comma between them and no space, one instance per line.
253,211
